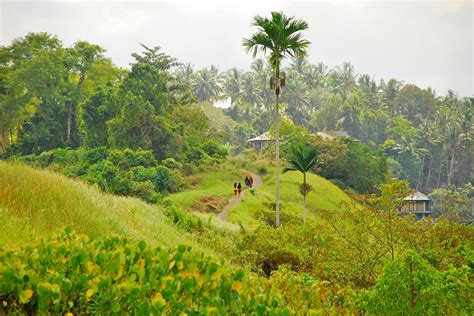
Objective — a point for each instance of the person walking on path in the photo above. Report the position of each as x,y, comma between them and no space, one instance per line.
251,181
235,189
247,182
239,188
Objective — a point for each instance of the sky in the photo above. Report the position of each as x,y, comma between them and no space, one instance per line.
427,43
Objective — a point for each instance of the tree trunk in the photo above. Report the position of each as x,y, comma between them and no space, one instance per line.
451,168
304,197
420,174
428,177
4,140
72,115
439,171
69,123
277,149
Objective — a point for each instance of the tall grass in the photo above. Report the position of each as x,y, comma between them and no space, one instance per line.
36,203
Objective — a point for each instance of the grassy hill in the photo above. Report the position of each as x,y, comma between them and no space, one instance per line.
37,202
325,195
215,186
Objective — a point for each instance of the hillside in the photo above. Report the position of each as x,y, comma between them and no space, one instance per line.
212,189
37,202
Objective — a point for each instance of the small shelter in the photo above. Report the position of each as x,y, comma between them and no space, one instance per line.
260,142
418,204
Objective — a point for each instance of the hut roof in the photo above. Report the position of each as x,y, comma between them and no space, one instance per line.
332,134
265,136
417,196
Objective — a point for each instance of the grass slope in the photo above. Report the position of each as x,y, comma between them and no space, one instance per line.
218,184
36,202
325,195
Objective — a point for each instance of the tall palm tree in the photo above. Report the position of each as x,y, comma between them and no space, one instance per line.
250,92
233,84
262,74
207,84
299,63
185,75
281,37
302,158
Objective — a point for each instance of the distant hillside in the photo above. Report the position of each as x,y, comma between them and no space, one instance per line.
40,202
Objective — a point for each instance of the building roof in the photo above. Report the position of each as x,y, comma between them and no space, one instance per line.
332,134
263,137
417,196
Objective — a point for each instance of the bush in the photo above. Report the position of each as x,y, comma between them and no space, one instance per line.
123,172
262,170
73,274
412,286
128,158
171,163
161,177
214,149
94,155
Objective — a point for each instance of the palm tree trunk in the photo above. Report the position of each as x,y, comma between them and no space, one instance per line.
304,197
428,177
277,149
420,173
451,168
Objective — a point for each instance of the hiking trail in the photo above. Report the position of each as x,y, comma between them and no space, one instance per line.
233,201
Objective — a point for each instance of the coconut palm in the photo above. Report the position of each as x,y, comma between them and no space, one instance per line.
262,74
299,63
185,75
250,92
281,37
207,84
302,158
233,84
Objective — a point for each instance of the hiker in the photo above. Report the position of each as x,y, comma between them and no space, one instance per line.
247,182
251,181
235,189
239,188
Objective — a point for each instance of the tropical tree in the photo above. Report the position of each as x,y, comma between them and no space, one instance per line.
281,37
233,84
207,84
302,158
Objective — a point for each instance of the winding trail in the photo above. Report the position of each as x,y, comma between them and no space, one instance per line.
233,201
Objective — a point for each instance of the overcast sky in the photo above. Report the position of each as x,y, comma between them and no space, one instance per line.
429,43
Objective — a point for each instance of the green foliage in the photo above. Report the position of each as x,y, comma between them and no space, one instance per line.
410,285
73,274
123,172
355,164
454,203
214,149
96,111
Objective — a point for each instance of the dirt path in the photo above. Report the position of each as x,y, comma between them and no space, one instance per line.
233,201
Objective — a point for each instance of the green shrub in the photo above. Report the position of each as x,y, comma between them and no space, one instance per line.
123,172
145,190
410,285
162,178
109,177
94,155
262,170
171,163
128,158
214,149
72,274
184,220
